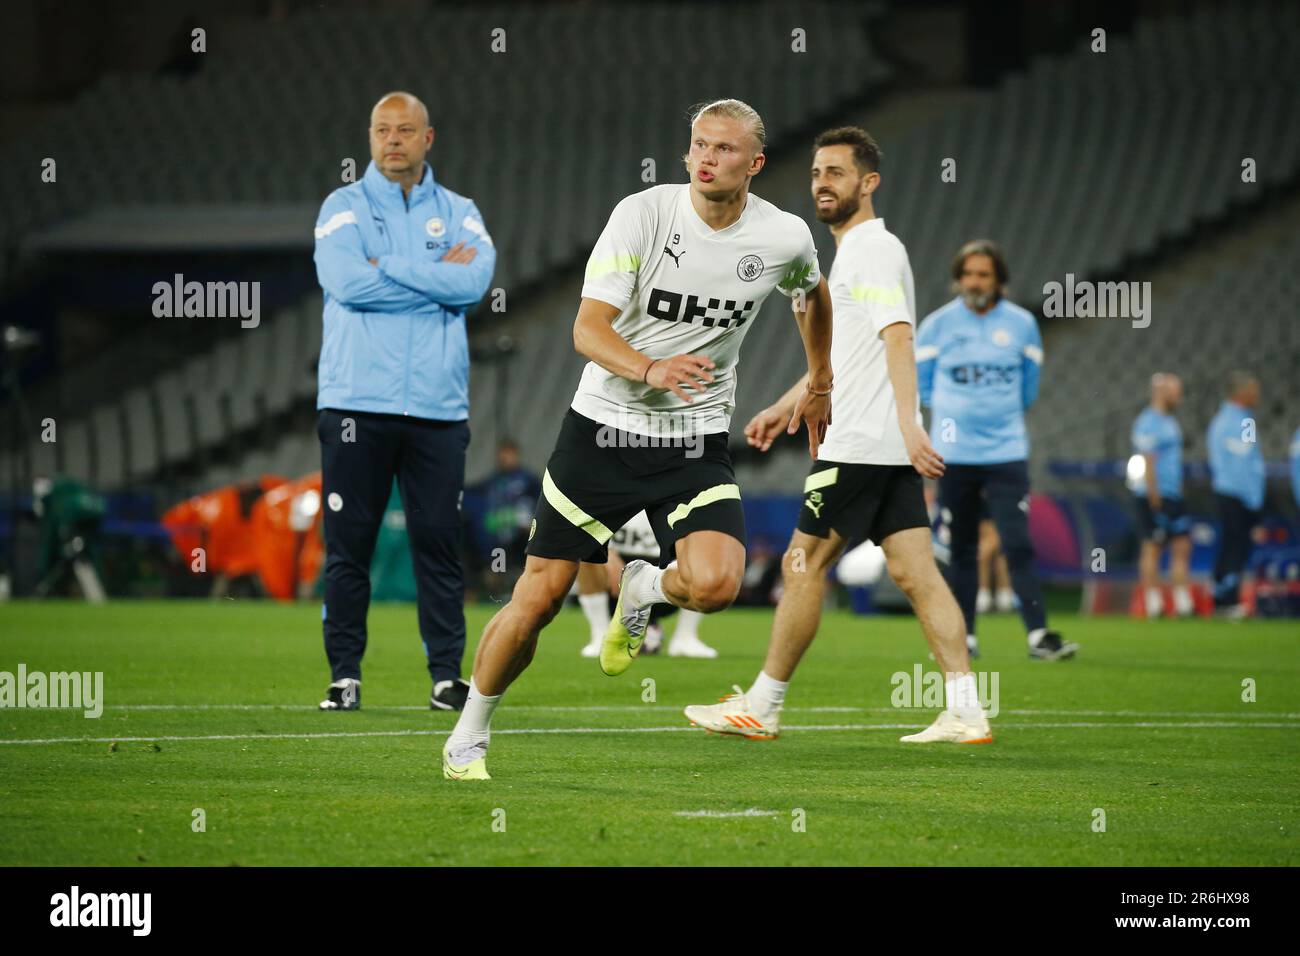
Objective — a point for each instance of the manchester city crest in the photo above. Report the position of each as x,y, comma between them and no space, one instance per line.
750,268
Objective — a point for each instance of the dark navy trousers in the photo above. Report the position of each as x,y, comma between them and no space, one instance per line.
965,492
428,460
1236,522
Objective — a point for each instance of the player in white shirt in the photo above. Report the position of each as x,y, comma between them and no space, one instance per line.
635,540
672,286
866,482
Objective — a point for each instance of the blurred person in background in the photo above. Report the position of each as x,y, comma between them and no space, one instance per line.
1237,478
1158,491
995,592
510,494
978,361
401,259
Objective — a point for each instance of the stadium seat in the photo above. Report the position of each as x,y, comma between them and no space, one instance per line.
43,457
199,383
254,376
282,359
110,451
74,449
142,435
177,431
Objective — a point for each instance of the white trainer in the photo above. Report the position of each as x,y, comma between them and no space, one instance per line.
690,646
733,715
951,727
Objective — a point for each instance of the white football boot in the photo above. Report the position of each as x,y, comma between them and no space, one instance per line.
467,764
733,715
627,626
951,727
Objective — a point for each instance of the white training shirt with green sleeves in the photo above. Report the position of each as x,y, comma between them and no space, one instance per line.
685,289
871,289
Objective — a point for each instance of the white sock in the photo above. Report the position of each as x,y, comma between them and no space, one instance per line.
767,695
983,598
1183,602
596,609
473,730
648,588
1155,602
1005,598
1036,635
962,695
688,625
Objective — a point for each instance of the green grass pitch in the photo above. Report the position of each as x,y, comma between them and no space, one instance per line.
213,707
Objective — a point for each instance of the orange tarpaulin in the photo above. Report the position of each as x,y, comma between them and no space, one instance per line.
219,522
285,531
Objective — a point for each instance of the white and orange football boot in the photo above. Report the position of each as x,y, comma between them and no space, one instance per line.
953,728
733,715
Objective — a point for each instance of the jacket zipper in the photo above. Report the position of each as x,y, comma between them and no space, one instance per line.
406,374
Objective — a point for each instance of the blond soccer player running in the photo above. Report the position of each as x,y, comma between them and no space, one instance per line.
673,284
866,481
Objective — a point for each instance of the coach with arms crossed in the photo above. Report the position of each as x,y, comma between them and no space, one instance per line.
401,259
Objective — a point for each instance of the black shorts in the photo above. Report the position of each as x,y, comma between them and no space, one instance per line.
1172,522
599,477
862,501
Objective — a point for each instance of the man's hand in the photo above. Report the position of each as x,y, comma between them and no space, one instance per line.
458,253
815,412
765,426
921,453
691,371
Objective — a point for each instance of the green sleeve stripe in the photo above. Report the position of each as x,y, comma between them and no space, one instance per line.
879,294
623,262
572,513
706,497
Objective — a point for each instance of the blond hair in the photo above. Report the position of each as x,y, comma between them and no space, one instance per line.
737,110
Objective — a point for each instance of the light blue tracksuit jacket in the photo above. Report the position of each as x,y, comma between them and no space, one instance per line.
394,339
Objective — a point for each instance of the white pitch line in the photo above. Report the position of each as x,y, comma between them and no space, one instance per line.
643,708
1072,725
751,812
